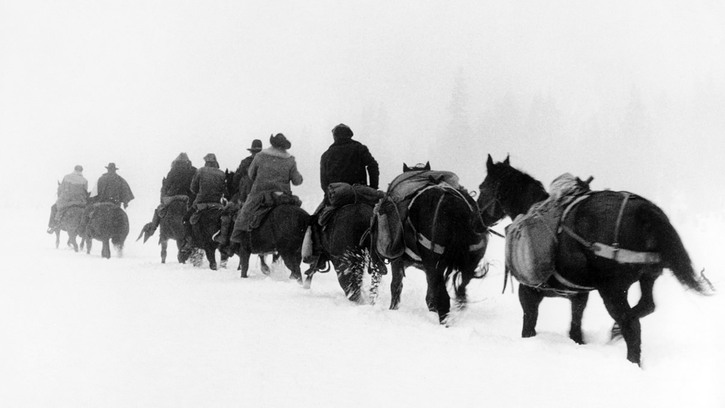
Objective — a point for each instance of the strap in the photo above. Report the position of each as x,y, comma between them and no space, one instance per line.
619,219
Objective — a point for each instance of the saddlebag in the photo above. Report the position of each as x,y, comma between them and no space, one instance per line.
531,246
388,229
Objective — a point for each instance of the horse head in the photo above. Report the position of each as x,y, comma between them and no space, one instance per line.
507,191
417,167
229,179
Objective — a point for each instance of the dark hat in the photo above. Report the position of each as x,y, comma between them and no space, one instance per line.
210,157
342,131
78,167
279,141
182,157
112,166
256,146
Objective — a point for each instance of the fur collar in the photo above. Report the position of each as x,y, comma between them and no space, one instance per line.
273,151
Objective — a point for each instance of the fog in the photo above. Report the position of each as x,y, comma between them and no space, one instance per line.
631,94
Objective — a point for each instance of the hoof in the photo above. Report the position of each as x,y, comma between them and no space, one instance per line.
212,266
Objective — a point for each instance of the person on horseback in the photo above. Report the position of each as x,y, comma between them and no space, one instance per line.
347,161
113,188
73,190
176,183
244,184
209,186
271,172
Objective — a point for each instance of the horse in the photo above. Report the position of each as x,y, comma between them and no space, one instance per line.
171,226
643,228
203,230
282,231
105,222
71,223
343,243
450,241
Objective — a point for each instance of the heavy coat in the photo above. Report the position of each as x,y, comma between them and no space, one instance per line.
114,189
178,181
348,161
209,185
73,190
272,170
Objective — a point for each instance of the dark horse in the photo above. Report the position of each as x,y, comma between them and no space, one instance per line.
644,229
449,243
105,222
171,226
71,223
341,242
202,233
282,231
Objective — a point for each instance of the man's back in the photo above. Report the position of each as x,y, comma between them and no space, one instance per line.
209,184
113,188
178,181
348,161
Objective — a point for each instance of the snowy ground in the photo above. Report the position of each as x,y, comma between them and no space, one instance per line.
77,330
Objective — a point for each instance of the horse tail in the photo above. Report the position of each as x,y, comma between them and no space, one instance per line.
456,252
671,249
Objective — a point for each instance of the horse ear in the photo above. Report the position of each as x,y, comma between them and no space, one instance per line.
405,168
427,165
489,163
506,162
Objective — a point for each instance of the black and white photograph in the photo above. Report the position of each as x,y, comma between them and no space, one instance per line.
362,203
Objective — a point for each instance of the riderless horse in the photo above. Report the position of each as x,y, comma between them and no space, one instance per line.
607,240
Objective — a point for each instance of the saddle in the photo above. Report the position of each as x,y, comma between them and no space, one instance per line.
342,194
201,207
166,201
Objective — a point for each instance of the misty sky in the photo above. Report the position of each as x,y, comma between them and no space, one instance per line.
630,92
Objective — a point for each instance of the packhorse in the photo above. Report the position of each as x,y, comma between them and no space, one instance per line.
171,226
347,246
445,237
606,242
106,222
70,222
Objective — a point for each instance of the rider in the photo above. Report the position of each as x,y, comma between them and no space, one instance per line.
176,183
209,185
113,188
243,183
73,190
347,161
271,171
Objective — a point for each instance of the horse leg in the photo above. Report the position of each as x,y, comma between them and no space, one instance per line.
437,287
57,238
376,269
106,251
530,299
72,241
244,260
308,280
89,243
211,257
396,285
615,300
578,304
350,278
646,304
164,248
263,264
292,261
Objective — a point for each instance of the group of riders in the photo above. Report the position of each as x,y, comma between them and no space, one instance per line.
267,173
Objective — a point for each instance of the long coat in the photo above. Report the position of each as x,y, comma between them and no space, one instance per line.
114,188
348,161
272,170
209,185
73,190
178,181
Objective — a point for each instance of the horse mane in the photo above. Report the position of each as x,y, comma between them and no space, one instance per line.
516,183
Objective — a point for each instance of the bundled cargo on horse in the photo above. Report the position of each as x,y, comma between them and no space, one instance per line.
342,194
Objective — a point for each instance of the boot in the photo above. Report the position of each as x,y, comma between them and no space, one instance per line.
223,236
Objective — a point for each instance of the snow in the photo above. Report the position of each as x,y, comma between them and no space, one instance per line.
78,330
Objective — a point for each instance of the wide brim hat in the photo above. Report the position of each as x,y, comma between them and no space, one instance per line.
111,166
256,146
280,141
